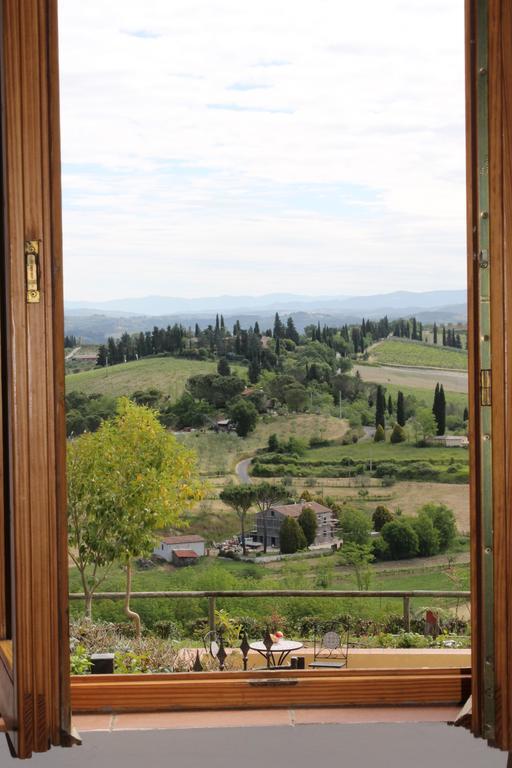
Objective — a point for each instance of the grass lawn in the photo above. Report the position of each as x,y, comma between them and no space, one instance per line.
418,354
168,374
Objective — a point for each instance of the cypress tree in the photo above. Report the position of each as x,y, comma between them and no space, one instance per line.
400,409
380,408
390,405
435,333
444,336
466,414
441,420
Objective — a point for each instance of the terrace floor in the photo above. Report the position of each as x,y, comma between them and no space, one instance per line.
363,738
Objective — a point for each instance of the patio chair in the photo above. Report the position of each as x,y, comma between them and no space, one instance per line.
211,643
330,651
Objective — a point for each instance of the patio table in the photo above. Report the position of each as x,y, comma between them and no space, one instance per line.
278,651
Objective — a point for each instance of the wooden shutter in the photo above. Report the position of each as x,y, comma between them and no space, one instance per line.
34,663
489,99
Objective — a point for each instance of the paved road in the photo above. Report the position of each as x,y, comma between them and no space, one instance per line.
363,745
242,471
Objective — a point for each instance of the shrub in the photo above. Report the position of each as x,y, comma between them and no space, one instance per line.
380,549
428,536
401,538
398,434
443,521
381,516
273,444
380,434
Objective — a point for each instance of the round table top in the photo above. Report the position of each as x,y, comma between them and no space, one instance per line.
281,645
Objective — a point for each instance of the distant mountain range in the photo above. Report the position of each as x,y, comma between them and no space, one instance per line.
95,321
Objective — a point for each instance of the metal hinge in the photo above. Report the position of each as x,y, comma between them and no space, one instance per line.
32,270
485,387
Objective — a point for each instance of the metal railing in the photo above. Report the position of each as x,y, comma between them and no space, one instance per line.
405,595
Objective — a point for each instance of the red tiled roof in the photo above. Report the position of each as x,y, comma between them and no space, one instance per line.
188,553
294,510
190,539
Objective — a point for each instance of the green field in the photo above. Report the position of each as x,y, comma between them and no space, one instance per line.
366,450
416,354
168,374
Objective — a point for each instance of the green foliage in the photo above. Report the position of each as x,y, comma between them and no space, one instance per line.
273,443
308,522
355,526
216,390
291,537
84,413
398,435
126,480
244,416
223,368
380,434
186,412
428,535
296,397
401,538
80,661
381,516
443,521
359,558
400,409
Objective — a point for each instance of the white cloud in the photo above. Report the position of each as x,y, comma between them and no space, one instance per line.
223,146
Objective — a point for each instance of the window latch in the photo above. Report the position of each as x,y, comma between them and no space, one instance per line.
485,387
32,269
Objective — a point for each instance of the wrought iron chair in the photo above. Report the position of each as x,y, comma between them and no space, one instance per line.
331,651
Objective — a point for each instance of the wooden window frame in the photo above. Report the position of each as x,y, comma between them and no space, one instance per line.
34,657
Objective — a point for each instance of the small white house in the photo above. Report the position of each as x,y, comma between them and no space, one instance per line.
192,544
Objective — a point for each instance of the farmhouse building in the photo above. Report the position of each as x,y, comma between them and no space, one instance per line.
273,517
181,550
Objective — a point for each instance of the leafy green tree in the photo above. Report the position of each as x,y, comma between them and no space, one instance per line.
186,412
296,397
355,526
424,424
400,409
359,557
381,516
380,435
444,522
291,537
398,434
267,494
401,538
244,416
273,443
309,524
223,368
216,390
380,407
125,481
428,536
240,498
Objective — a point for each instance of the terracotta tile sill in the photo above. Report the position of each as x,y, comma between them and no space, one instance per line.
149,721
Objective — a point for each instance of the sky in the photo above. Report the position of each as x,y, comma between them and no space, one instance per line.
231,147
